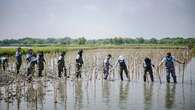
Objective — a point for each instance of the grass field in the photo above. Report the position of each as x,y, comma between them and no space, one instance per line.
59,48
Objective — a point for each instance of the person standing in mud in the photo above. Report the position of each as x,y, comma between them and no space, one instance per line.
40,63
79,63
148,68
170,68
122,66
29,55
61,65
4,62
106,66
18,59
31,67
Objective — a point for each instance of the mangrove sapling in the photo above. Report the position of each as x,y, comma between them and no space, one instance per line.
183,72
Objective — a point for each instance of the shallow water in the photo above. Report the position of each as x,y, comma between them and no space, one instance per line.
93,93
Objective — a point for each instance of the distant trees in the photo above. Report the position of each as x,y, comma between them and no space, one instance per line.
66,40
83,41
153,41
140,40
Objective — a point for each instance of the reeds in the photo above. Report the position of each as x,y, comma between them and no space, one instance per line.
59,48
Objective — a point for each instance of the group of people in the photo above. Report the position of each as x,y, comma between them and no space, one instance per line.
62,67
147,65
122,66
33,59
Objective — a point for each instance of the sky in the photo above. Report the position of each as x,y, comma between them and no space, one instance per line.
95,19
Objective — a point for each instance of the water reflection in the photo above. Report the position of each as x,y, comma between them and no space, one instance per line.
41,92
18,95
170,96
78,95
106,93
123,94
148,93
60,93
31,95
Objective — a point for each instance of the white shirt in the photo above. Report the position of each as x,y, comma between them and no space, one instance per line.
121,58
60,58
173,59
107,60
78,56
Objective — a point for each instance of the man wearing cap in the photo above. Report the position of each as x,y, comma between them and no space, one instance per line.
122,66
79,63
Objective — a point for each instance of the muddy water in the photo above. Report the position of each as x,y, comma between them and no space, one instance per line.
93,93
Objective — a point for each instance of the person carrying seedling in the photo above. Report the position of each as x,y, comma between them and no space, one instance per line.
106,66
122,66
170,68
4,62
29,55
61,65
79,63
31,67
148,68
40,63
18,59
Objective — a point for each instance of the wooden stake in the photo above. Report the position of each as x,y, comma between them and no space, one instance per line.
159,75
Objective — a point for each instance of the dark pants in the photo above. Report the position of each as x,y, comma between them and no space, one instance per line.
30,72
60,70
123,68
106,72
40,69
3,66
78,70
18,65
172,72
150,73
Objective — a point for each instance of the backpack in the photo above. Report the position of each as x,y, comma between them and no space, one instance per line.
169,62
148,63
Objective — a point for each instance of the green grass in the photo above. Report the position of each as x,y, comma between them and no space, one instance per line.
12,50
60,48
193,51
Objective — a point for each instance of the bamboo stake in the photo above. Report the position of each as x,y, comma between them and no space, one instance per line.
183,72
159,75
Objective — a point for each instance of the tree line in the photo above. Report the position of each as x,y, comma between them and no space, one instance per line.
83,41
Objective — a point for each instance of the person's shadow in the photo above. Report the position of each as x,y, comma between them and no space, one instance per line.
78,95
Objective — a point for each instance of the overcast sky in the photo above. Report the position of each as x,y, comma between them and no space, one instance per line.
96,18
